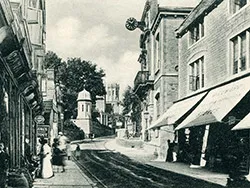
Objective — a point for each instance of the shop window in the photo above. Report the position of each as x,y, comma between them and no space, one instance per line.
239,52
236,5
196,78
196,32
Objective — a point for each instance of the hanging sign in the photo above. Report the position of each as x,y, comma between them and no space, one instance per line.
39,119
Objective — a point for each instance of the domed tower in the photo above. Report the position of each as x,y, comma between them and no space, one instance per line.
84,120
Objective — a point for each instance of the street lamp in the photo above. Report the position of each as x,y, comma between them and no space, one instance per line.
146,117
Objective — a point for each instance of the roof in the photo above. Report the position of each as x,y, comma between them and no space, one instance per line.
83,95
204,7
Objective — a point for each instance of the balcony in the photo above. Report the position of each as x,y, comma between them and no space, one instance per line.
142,83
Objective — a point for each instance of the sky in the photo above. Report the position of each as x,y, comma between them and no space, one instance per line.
94,30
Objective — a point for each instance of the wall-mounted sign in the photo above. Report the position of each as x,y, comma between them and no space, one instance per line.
43,131
39,119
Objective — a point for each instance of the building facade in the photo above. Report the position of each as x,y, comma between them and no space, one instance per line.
156,83
214,76
113,98
21,99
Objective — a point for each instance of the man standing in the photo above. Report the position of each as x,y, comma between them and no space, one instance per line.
4,159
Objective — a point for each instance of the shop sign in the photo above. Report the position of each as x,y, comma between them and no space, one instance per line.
43,131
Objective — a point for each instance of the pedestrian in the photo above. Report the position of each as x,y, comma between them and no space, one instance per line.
62,139
4,160
175,151
169,152
58,156
78,152
27,150
68,150
45,156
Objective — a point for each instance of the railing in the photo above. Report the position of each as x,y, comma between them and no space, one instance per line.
141,78
142,82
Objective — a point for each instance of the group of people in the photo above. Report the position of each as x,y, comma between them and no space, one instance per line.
55,156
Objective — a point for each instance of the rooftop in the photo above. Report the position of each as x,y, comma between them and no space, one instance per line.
202,9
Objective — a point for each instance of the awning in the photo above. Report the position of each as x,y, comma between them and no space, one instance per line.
217,104
243,124
176,111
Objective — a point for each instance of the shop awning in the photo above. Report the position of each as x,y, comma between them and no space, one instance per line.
176,111
243,124
217,104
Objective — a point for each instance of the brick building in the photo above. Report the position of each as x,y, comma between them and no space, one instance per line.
214,67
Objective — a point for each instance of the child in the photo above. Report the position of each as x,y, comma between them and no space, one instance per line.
78,152
4,159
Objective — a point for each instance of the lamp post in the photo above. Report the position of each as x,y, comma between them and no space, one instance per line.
146,117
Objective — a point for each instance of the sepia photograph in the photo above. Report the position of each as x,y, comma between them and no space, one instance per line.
124,93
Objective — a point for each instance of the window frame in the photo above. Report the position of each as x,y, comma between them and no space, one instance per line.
238,57
233,6
197,74
196,32
157,52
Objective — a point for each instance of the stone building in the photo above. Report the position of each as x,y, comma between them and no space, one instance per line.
214,70
53,110
21,100
113,98
84,112
156,83
101,109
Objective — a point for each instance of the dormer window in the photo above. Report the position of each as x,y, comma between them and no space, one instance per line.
196,32
236,5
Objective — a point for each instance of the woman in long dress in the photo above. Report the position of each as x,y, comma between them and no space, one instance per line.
58,157
47,170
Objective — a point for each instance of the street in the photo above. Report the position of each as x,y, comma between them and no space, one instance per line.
114,169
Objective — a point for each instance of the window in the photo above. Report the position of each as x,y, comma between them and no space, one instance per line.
87,108
82,108
157,52
157,132
157,97
237,5
2,21
196,32
239,52
196,78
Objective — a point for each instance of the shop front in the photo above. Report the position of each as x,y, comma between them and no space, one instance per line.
206,133
168,121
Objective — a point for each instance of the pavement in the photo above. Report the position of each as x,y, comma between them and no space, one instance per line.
147,157
71,178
